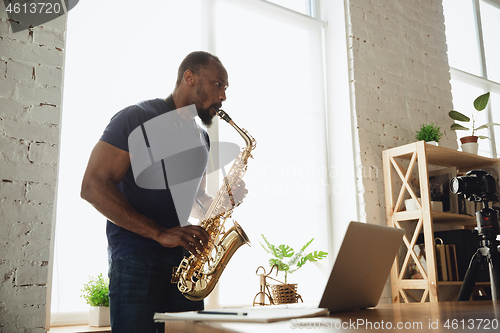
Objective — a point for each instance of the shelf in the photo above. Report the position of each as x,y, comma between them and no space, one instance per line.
412,178
437,217
459,283
453,218
447,157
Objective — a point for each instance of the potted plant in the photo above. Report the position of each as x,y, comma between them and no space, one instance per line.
429,133
96,294
469,143
286,260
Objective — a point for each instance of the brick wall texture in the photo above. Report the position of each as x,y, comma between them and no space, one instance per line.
400,80
31,78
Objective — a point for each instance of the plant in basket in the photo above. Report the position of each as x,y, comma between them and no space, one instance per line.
287,260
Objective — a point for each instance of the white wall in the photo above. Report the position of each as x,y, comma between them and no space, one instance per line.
400,78
399,75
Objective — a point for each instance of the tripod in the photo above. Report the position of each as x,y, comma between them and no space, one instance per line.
487,253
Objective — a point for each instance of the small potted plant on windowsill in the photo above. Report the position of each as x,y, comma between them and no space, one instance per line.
96,294
286,293
469,143
430,134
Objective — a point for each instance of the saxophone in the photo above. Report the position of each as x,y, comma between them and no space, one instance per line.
197,277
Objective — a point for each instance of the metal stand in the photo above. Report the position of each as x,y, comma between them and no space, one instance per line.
487,253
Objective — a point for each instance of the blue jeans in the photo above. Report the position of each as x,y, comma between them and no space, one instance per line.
140,286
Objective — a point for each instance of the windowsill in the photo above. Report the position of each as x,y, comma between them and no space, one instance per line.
79,329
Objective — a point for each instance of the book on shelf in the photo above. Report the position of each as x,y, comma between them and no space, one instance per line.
453,262
446,262
441,265
447,267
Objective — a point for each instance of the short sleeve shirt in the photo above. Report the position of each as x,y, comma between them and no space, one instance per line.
156,204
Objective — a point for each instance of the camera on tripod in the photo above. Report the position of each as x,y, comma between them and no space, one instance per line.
480,186
476,185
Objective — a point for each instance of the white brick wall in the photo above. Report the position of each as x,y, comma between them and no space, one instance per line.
400,77
30,111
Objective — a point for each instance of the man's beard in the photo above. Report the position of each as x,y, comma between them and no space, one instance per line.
204,114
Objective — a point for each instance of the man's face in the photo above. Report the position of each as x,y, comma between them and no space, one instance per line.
210,92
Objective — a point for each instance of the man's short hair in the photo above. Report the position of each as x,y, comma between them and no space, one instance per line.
195,62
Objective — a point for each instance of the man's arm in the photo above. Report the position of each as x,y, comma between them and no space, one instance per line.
107,166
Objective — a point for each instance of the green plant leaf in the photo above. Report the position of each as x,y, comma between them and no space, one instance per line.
481,102
307,244
458,127
265,248
272,248
429,132
316,255
313,256
298,255
302,261
483,137
455,115
280,264
481,127
296,260
285,251
96,291
487,125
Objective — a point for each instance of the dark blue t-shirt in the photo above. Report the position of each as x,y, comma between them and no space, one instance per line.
156,204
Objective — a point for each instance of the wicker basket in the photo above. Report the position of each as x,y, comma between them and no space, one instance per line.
285,293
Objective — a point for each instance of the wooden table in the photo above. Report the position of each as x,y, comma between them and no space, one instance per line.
478,316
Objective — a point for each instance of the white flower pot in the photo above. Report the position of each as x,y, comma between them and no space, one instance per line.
470,147
99,316
434,143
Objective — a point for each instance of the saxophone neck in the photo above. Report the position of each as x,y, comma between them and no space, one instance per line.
249,140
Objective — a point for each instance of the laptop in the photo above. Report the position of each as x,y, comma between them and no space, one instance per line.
362,266
356,282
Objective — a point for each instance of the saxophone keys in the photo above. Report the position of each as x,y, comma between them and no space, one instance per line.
189,285
201,284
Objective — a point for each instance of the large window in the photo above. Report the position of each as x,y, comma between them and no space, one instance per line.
473,34
124,53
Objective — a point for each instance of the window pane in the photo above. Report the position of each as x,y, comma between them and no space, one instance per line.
463,51
275,93
495,105
115,56
490,17
301,6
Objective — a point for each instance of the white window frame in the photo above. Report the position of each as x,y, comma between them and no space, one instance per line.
482,80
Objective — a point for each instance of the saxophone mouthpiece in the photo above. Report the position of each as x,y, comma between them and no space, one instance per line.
223,115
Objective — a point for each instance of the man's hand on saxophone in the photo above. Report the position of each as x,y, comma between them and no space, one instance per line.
192,237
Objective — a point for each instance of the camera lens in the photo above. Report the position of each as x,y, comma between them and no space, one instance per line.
457,185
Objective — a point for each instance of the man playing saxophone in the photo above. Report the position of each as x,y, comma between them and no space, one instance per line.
146,175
